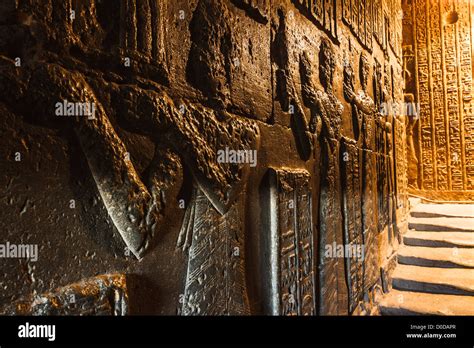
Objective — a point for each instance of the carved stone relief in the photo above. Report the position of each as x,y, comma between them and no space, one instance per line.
329,111
352,208
323,13
286,88
176,150
291,244
441,84
215,277
359,16
210,64
364,108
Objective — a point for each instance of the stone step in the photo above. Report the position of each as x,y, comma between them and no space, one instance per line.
444,224
436,257
454,281
443,210
414,201
418,303
439,239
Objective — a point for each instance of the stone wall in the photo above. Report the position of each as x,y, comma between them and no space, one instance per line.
235,150
438,62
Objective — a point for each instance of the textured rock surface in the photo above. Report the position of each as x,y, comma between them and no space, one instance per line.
141,187
101,295
438,77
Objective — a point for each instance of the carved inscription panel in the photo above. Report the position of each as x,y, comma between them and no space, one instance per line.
291,243
443,137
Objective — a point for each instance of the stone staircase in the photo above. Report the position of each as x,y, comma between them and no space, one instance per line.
435,271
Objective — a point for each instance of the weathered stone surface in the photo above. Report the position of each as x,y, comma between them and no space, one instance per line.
433,266
439,239
436,257
290,247
417,303
434,280
353,228
101,295
442,224
215,279
194,104
443,210
440,82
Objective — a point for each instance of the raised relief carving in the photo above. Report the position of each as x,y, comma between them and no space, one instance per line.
129,66
326,117
210,58
286,88
322,13
135,204
358,15
443,89
352,210
290,245
142,28
215,276
364,107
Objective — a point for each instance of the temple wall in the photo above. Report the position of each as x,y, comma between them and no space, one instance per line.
438,61
308,85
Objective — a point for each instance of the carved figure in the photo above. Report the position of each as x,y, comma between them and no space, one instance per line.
326,117
363,109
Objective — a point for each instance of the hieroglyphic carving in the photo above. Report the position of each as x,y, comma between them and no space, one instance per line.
423,97
377,84
142,31
353,236
369,24
215,280
358,15
412,157
465,54
369,217
322,12
292,242
304,226
402,158
378,22
331,268
437,104
389,27
443,54
452,97
382,174
391,182
395,15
